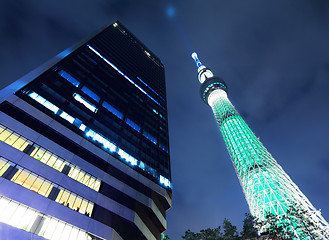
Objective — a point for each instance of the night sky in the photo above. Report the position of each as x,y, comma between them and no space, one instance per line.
273,55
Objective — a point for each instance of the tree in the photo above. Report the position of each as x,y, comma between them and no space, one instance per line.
248,230
271,226
189,235
211,234
230,231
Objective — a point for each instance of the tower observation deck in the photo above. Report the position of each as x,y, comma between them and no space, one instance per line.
267,188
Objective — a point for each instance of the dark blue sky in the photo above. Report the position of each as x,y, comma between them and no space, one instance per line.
273,55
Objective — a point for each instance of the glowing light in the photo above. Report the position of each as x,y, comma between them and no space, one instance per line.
69,78
67,117
165,181
127,157
196,59
87,104
43,102
171,11
112,109
216,95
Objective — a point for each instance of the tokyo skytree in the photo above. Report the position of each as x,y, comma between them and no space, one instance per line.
269,191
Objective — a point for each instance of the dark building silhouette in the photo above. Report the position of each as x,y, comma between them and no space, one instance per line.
84,144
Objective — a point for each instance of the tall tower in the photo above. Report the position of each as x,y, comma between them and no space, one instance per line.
267,188
84,149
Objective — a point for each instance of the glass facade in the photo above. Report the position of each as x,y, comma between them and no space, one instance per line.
84,138
97,92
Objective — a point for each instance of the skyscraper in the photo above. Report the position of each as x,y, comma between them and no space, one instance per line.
84,144
267,188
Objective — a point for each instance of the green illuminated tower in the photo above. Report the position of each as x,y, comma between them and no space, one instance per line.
267,188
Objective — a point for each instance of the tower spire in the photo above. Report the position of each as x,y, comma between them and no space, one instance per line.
196,59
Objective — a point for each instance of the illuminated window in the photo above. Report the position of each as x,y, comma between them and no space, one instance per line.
133,125
67,117
127,157
150,137
37,184
26,218
43,102
46,157
87,104
90,93
112,110
4,165
69,78
105,142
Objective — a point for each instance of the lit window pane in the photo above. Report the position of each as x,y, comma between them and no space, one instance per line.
59,164
80,176
17,215
50,231
69,78
82,235
38,155
90,93
45,188
74,233
86,179
59,230
5,134
19,142
97,184
63,197
4,165
44,226
29,181
86,103
51,161
1,128
33,217
12,139
25,219
83,207
20,221
71,200
45,157
8,212
90,208
66,232
91,183
77,204
74,173
36,148
37,184
3,205
112,110
20,176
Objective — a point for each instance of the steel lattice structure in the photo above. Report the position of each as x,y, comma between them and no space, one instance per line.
267,188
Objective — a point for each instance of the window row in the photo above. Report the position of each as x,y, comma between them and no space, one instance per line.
111,147
48,158
44,187
31,220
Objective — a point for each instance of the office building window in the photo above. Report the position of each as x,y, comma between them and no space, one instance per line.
31,220
48,158
46,188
